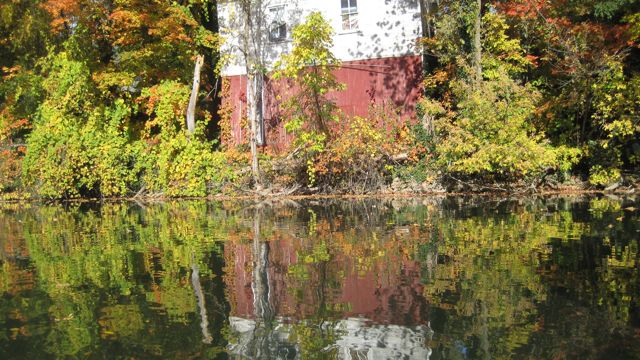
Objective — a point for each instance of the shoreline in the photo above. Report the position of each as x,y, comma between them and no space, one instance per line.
379,195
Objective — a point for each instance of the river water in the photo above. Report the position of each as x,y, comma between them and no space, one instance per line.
434,278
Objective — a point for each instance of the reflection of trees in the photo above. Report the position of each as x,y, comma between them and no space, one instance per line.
197,288
118,276
500,266
593,303
538,278
260,337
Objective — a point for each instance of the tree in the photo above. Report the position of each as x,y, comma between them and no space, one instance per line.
577,48
252,42
309,66
477,43
482,111
191,109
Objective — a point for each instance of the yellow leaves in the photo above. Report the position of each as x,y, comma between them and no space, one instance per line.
105,80
621,128
599,175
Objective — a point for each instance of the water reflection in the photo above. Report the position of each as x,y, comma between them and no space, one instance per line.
342,312
447,278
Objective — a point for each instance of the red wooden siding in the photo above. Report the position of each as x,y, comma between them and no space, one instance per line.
389,82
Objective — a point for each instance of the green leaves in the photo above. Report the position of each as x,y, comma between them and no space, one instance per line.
491,133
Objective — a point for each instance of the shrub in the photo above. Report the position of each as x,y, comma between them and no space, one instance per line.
77,148
355,160
174,164
67,159
490,133
617,112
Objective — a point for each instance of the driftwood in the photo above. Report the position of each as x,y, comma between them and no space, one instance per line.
400,157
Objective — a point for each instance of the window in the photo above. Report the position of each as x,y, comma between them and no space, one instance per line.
349,14
277,27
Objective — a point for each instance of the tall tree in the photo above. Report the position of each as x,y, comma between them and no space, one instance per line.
477,43
252,40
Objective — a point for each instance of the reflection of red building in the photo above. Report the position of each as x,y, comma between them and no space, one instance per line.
389,292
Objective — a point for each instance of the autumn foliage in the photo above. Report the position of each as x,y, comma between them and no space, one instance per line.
93,96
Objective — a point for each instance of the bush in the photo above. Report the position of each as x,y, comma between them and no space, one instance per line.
490,134
78,148
174,164
355,161
617,112
67,159
180,167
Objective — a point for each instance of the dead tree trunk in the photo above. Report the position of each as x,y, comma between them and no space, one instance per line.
191,109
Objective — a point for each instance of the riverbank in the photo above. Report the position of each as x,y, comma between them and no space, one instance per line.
403,192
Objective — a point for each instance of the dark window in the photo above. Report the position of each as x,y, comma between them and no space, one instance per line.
277,31
277,26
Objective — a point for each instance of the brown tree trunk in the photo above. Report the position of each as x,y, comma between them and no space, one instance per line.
191,109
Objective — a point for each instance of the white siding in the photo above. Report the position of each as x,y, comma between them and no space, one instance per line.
386,28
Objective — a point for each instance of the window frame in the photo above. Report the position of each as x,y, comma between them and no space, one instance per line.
349,15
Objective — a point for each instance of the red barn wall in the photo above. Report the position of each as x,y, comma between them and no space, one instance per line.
389,82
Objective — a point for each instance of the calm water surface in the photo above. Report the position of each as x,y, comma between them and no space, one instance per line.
446,278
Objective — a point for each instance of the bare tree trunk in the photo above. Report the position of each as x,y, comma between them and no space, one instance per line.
477,44
428,9
252,48
191,109
254,103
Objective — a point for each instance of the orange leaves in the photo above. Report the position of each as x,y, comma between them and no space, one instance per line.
522,9
575,40
125,26
173,27
133,24
11,72
225,114
9,125
533,59
61,12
